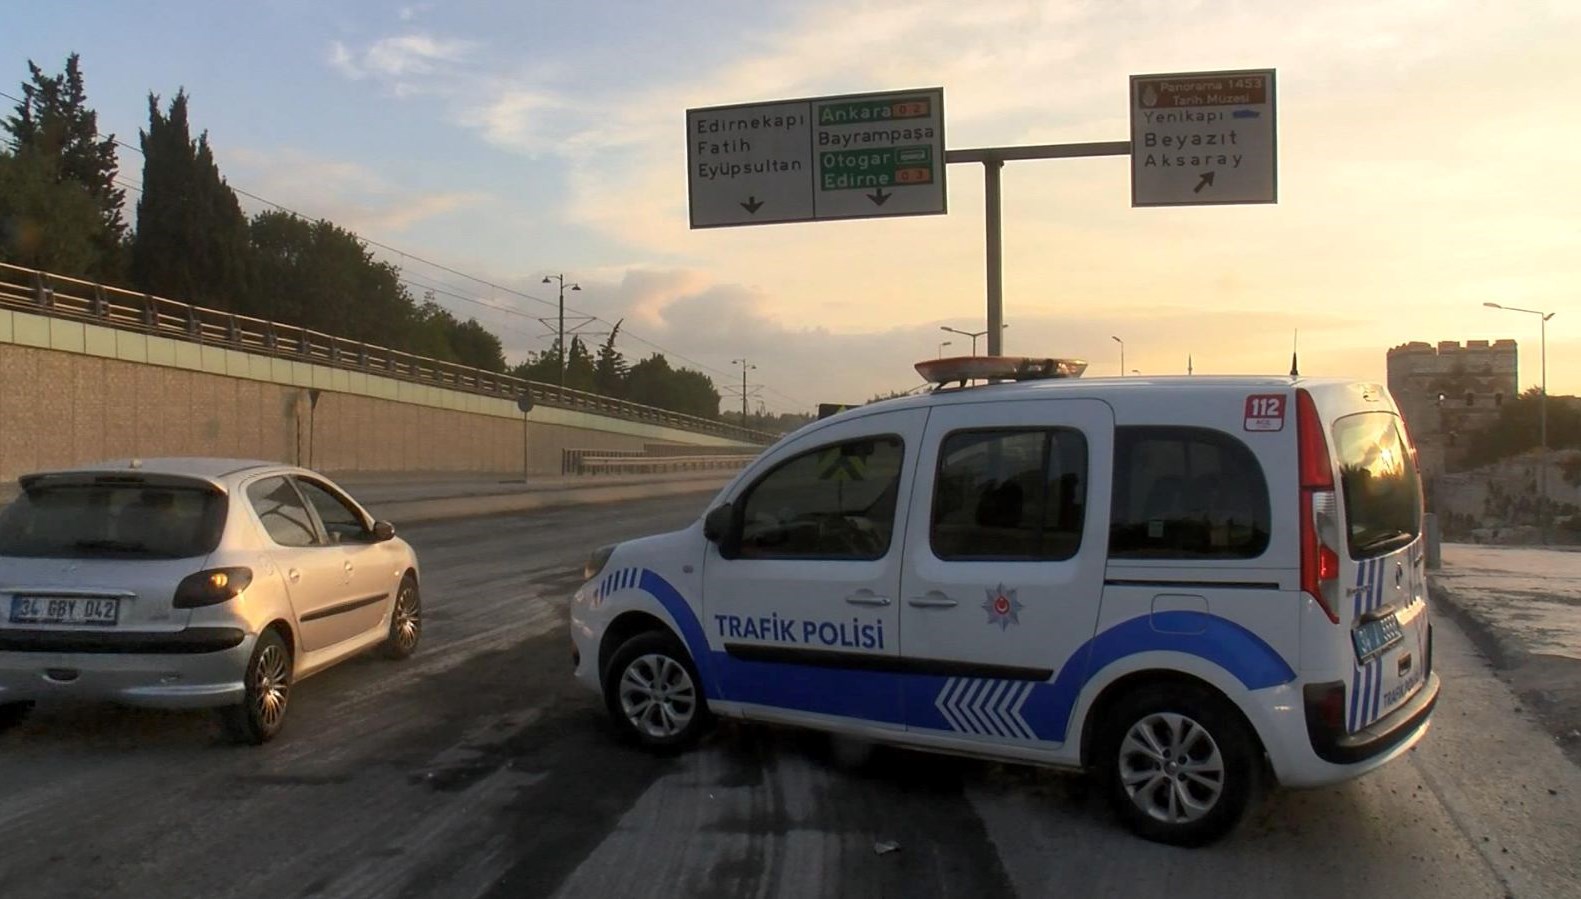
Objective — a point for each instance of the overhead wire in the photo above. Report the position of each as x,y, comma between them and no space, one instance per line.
404,255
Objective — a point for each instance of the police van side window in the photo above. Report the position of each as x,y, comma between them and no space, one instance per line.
836,503
1009,495
1186,493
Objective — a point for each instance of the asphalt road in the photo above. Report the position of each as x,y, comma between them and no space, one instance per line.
478,768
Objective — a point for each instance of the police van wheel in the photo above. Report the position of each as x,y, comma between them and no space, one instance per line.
1181,765
654,694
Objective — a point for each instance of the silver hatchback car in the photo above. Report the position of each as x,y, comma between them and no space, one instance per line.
193,583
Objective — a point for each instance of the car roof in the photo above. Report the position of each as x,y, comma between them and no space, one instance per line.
211,469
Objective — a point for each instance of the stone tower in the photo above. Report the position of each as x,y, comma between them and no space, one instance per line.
1447,391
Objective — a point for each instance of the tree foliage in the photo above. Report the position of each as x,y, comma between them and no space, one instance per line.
1519,429
192,239
58,157
45,223
61,211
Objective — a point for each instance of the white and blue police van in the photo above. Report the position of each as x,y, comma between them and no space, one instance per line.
1183,585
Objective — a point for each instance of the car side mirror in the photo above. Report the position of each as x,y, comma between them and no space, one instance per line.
717,523
382,531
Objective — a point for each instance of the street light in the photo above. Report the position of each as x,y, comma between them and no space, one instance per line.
1542,410
745,367
1122,353
549,279
942,345
972,334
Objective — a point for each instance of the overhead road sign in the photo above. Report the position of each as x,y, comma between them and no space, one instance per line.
1204,139
853,156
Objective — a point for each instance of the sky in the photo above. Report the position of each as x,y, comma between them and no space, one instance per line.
1425,167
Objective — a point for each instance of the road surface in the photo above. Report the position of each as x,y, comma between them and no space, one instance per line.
478,768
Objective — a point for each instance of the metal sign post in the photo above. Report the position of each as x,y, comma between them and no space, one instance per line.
993,160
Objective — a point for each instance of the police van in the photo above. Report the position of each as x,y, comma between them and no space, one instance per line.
1182,585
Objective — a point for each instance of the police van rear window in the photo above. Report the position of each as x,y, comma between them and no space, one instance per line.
1382,496
1186,493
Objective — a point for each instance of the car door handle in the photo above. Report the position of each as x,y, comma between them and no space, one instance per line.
934,600
867,599
294,575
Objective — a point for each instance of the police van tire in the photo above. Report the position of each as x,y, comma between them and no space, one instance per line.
1180,764
654,695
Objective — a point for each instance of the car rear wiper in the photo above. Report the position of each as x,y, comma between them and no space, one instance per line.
1386,538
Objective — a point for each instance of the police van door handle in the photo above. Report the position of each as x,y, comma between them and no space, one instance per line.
867,598
933,599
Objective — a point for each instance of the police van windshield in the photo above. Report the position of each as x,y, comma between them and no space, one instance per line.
1382,494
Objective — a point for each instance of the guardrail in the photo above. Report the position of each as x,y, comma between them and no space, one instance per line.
656,464
58,296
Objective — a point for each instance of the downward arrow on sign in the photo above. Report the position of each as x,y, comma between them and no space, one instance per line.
878,196
752,205
1207,181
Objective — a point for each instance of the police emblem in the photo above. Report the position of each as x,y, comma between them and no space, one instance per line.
1002,607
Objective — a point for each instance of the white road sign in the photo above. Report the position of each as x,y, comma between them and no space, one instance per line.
1203,139
857,156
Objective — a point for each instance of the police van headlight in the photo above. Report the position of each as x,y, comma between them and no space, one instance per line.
596,561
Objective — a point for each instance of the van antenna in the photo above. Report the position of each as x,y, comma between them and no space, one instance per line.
1295,370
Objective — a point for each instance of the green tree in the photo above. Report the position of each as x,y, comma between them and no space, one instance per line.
653,382
56,134
321,276
1519,429
609,371
579,368
46,223
192,239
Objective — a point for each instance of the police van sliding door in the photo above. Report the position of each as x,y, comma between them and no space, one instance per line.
1004,567
800,600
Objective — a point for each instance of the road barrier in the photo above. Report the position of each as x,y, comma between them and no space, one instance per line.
596,465
57,296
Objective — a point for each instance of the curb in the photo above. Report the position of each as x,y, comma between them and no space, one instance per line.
451,508
1503,652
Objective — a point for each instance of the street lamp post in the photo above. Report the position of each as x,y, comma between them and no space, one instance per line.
1542,410
549,280
972,334
745,367
942,345
1122,353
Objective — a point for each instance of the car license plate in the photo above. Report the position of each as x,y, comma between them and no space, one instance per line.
1374,638
90,610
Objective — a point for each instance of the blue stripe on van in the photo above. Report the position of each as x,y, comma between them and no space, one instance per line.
986,707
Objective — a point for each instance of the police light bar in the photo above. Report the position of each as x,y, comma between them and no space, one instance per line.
1005,368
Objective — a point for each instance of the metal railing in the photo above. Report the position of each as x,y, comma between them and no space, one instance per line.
57,296
593,465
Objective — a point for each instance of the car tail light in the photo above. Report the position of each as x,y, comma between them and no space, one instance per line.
1319,508
212,587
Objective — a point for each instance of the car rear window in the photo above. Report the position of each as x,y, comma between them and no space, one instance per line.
1186,493
98,520
1382,495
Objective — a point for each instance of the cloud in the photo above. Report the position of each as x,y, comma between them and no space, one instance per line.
393,59
347,193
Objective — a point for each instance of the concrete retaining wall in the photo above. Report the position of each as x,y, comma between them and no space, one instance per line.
72,392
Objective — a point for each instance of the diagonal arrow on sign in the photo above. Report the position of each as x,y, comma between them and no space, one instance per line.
1207,181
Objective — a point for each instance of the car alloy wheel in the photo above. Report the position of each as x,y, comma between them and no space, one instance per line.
657,696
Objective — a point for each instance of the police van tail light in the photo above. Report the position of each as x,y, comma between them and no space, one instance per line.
1319,521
